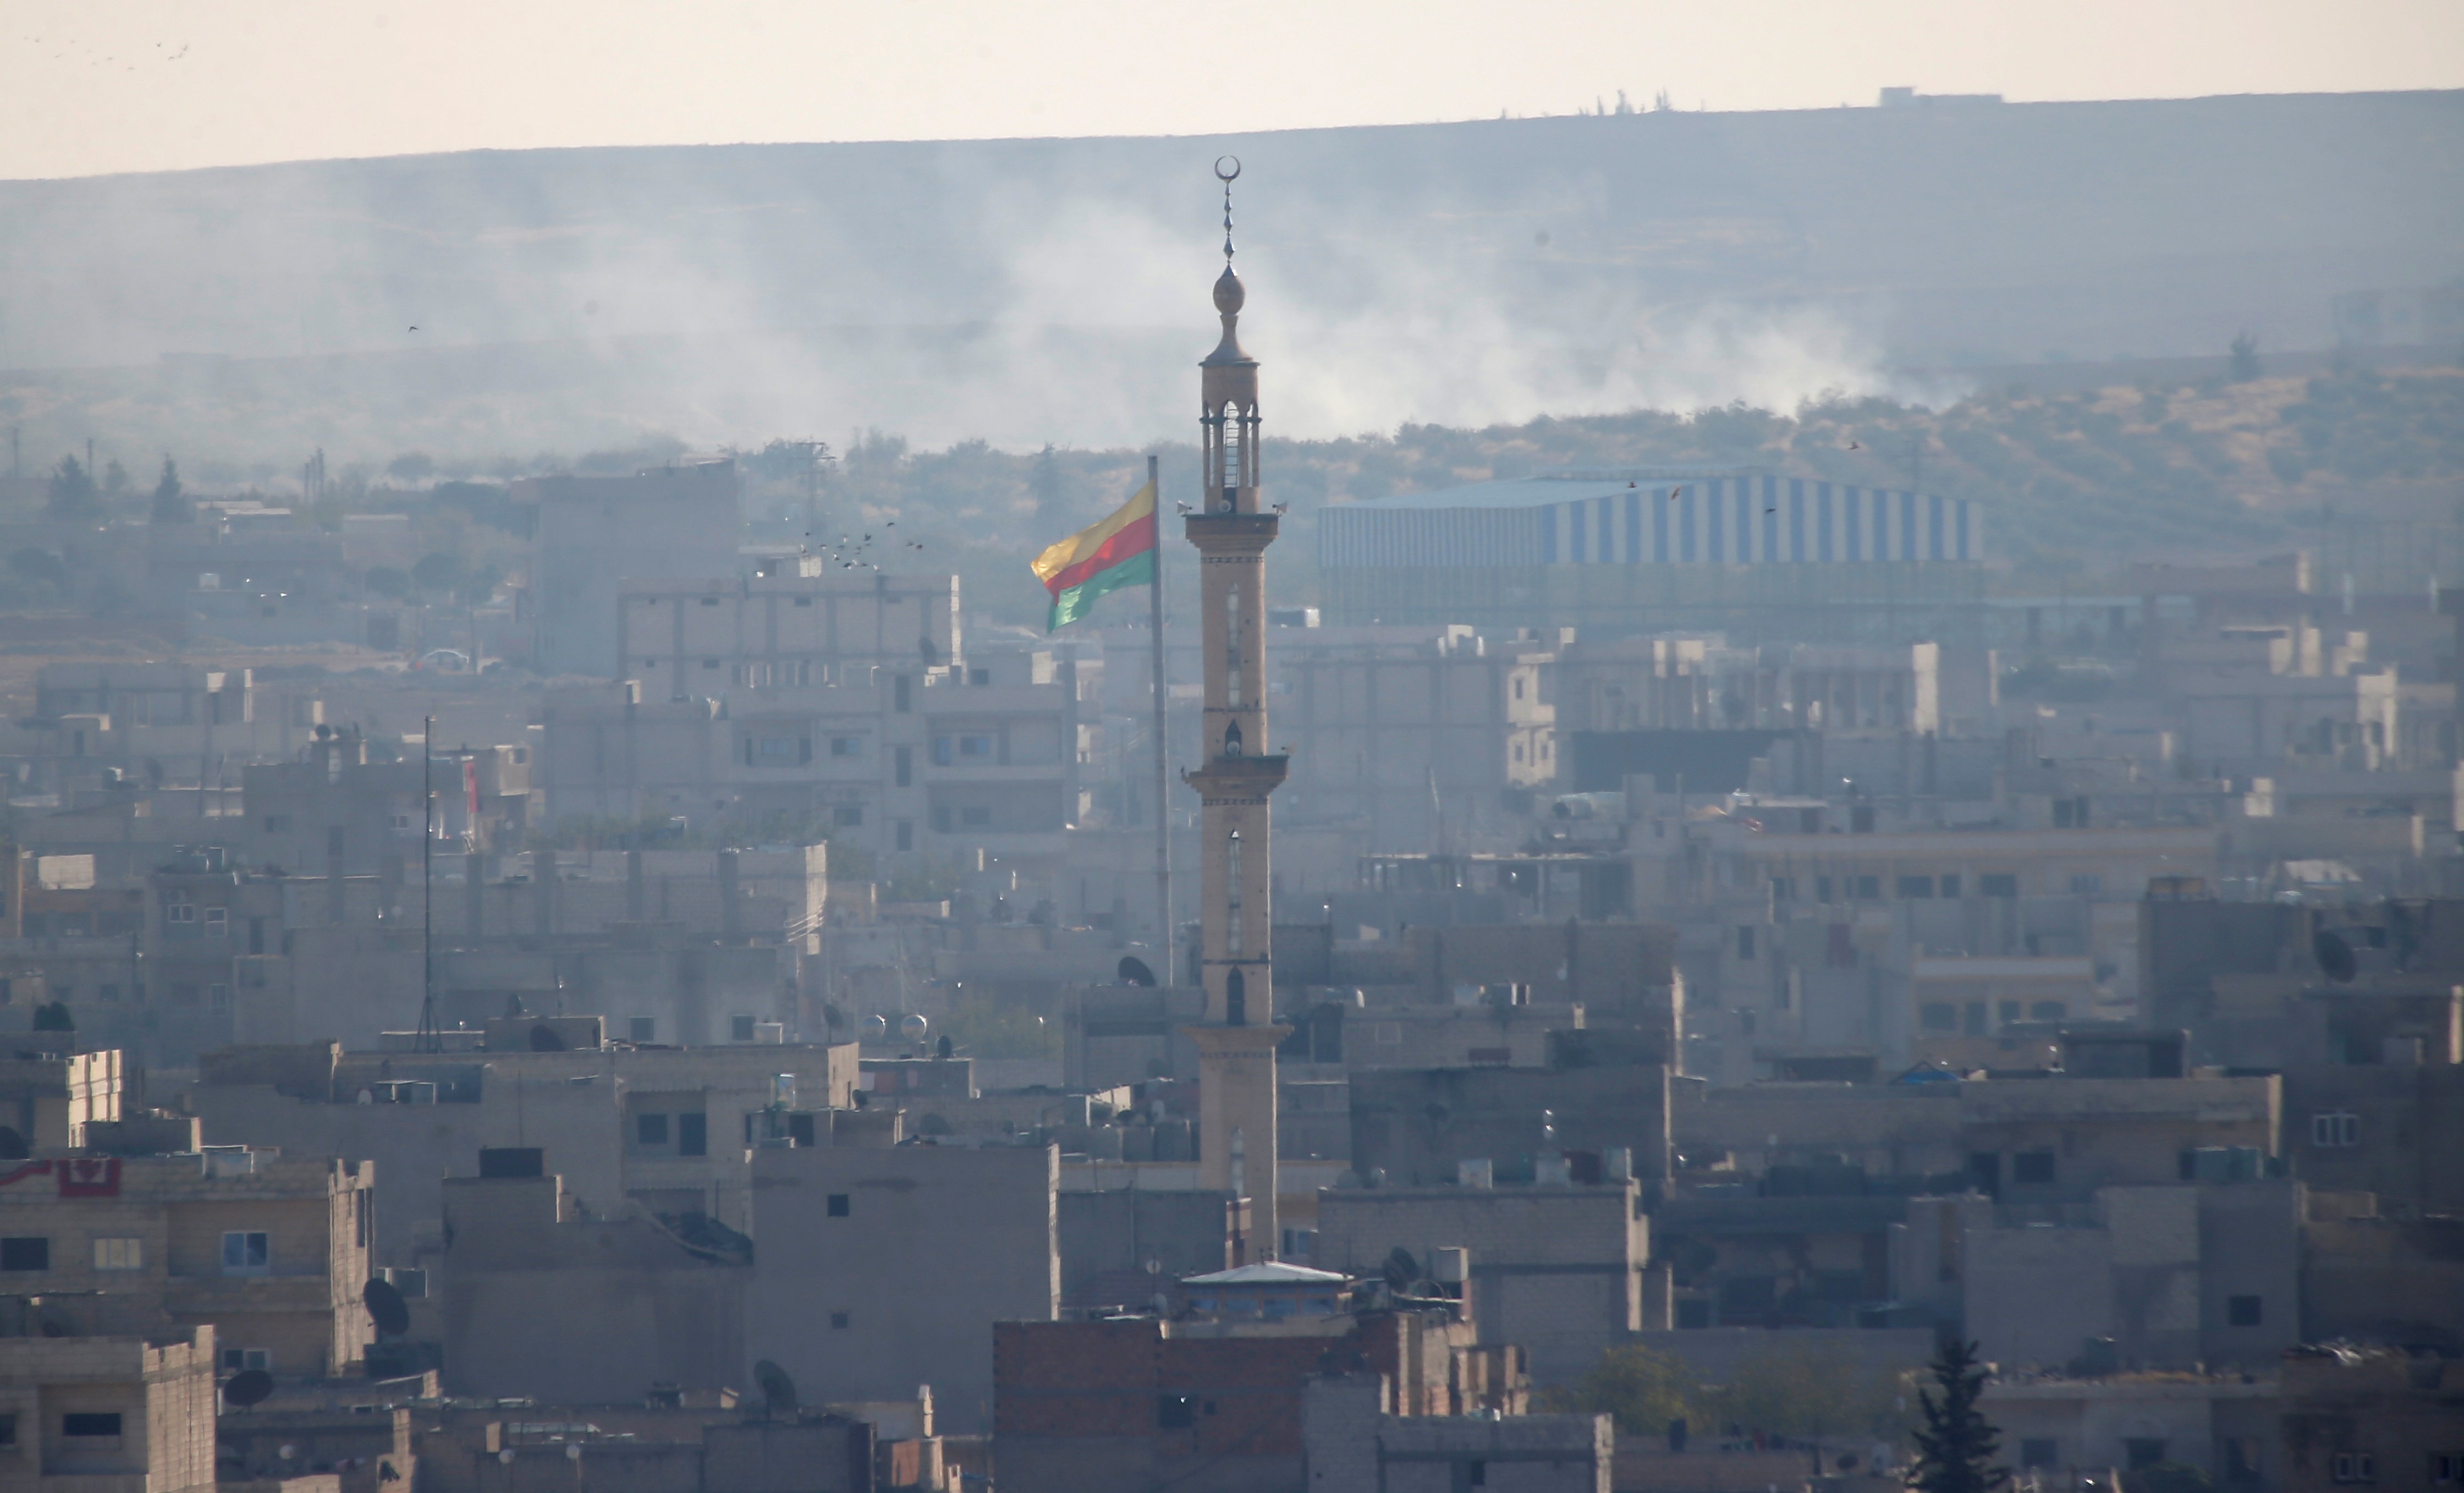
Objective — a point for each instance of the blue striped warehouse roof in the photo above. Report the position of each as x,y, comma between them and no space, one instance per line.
1650,516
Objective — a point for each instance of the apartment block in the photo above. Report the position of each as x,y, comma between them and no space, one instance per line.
132,1412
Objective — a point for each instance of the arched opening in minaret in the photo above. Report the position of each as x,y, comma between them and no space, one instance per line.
1228,473
1232,896
1232,739
1236,1000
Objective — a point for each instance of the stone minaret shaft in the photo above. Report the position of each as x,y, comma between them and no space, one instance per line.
1236,1041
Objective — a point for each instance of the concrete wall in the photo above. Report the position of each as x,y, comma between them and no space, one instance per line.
1417,1123
930,1246
579,1308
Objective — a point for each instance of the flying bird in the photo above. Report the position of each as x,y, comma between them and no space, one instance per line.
1771,510
1854,446
414,329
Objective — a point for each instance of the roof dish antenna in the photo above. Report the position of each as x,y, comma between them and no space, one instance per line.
1227,177
777,1389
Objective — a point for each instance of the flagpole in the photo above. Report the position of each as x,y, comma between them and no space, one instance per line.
1170,974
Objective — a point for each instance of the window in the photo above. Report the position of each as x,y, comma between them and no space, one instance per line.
402,822
91,1423
840,1320
710,601
1745,943
120,1253
237,1360
847,746
1916,886
2356,1467
25,1254
974,819
2244,1311
8,1430
277,824
740,1029
2445,1468
779,748
1938,1015
2048,1011
2334,1129
1175,1413
974,746
180,912
979,676
1997,884
2007,1013
2087,883
1951,885
2039,1451
650,1129
1869,888
247,1253
2143,1450
837,1205
942,753
906,835
848,816
644,1028
693,1135
2033,1169
217,921
1476,1473
1783,889
1823,889
903,769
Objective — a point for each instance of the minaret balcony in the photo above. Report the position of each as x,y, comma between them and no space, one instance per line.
1219,533
1233,779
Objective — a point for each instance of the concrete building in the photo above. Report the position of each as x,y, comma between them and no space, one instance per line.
1132,1404
270,1253
2368,1417
1352,1438
569,1303
1237,1040
988,751
2060,1430
590,535
876,1269
134,1412
1560,1270
1416,1128
796,625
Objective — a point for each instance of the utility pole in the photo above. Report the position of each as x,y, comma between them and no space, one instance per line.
431,1038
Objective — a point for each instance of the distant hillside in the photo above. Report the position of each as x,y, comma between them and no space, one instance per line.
1034,291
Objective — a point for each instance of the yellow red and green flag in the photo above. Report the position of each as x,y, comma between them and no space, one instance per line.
1114,552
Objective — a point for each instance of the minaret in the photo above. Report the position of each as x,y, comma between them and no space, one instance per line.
1235,1043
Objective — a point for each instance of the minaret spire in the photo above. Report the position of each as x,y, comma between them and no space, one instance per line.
1236,1038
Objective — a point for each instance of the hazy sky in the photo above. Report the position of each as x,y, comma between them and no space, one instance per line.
91,86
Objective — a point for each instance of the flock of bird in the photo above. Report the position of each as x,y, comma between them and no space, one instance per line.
857,554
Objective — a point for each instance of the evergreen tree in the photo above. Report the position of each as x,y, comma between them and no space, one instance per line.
171,503
1956,1445
2244,355
72,491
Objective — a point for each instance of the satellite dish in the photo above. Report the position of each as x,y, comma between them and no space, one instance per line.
876,1027
778,1390
2335,957
385,1308
543,1039
1402,1270
248,1387
913,1026
1134,970
12,1146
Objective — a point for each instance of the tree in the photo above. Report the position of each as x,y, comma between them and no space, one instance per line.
2245,357
72,495
1810,1391
1956,1445
411,467
1645,1389
171,504
115,481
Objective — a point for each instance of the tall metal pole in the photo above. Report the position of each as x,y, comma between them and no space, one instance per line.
428,1039
1169,974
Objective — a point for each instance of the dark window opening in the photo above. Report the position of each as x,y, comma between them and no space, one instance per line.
2033,1169
651,1129
26,1254
838,1205
90,1423
2244,1311
2039,1451
1174,1413
693,1135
